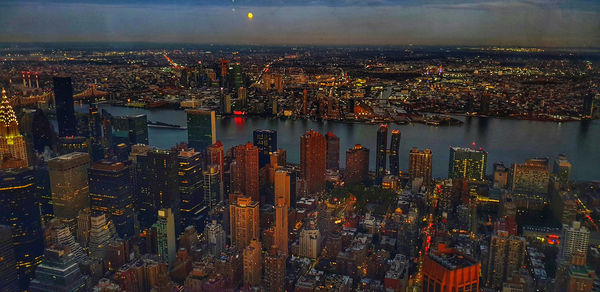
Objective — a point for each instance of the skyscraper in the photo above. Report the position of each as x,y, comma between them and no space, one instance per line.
245,178
333,151
252,264
65,111
285,186
244,221
574,240
357,165
420,165
111,193
281,225
165,227
313,153
533,176
448,270
100,236
8,261
467,163
216,155
506,256
215,237
69,184
163,186
212,186
266,142
202,131
380,161
190,186
394,153
59,272
130,130
562,169
274,264
13,152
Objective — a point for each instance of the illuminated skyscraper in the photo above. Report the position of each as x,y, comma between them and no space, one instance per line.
394,153
216,156
506,256
467,163
333,151
13,152
69,184
8,261
245,172
448,270
357,165
130,130
59,272
313,153
190,186
212,186
380,161
420,165
281,225
111,193
252,264
266,142
65,110
165,226
244,221
285,186
202,131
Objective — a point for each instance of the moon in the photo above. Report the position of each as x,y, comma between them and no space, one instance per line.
250,15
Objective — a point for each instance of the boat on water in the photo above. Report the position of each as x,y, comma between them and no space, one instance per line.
158,124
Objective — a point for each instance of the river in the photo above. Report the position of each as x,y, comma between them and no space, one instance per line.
505,140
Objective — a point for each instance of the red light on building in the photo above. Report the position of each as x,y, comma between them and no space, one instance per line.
239,113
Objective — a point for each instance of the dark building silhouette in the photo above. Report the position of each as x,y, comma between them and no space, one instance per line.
266,142
130,130
8,261
65,112
162,186
380,161
394,153
313,152
333,151
357,165
201,129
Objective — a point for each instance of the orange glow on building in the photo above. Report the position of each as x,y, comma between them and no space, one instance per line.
449,270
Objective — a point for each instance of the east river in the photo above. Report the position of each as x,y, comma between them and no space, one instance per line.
505,140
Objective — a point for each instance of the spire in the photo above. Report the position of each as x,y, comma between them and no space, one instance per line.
8,119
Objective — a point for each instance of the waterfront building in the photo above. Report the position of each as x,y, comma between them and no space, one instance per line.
467,163
202,131
357,165
533,176
562,169
130,130
395,153
333,151
380,155
266,142
313,153
420,165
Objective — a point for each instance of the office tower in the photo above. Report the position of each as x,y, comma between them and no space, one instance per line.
467,163
357,165
244,221
333,151
252,264
84,226
165,226
19,209
65,111
202,131
215,237
420,165
246,174
285,186
281,225
574,240
8,261
215,155
533,176
69,184
394,153
310,243
500,176
562,169
274,263
506,256
448,270
163,186
380,167
313,153
59,272
99,236
212,186
13,152
190,186
130,130
60,235
111,193
266,142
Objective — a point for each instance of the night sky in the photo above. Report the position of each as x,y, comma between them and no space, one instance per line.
560,23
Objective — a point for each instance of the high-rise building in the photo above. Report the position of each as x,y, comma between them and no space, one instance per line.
244,221
69,184
420,165
13,152
60,235
163,186
212,186
380,161
190,186
333,151
395,153
357,165
285,186
574,239
266,142
202,131
8,261
84,226
59,272
252,264
310,243
100,236
130,130
313,153
165,226
19,209
246,175
506,256
500,176
533,176
111,193
448,270
216,155
215,237
467,163
562,169
274,264
281,225
65,110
